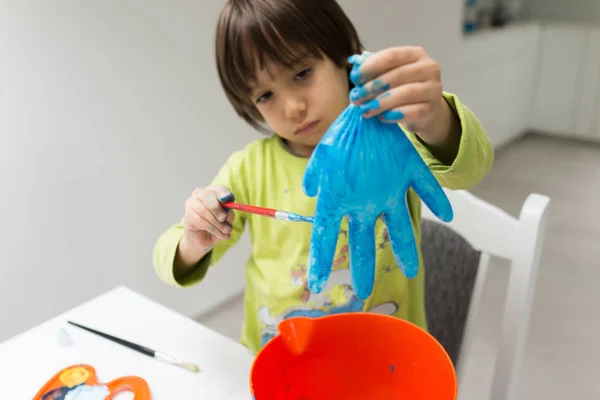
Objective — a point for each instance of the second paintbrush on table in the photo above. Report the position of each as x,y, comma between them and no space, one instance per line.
267,212
157,355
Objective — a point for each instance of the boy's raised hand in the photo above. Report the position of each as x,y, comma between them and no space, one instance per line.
363,188
401,84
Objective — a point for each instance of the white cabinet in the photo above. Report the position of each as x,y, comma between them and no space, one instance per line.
544,78
566,100
493,73
587,105
559,61
591,116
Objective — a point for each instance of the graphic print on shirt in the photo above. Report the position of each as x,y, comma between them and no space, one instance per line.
337,296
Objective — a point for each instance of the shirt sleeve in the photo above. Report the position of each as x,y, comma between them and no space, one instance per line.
166,246
475,153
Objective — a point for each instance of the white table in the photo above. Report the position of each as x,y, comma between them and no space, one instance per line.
29,360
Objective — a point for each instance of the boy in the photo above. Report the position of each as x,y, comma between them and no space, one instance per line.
284,67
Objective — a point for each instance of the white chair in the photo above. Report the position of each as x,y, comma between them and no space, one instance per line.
491,231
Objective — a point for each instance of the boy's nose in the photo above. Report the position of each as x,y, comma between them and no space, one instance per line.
295,108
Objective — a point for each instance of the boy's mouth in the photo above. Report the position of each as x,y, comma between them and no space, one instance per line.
306,128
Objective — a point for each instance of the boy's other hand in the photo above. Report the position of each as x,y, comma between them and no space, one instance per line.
403,84
205,223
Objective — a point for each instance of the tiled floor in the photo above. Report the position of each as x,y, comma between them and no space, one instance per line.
562,358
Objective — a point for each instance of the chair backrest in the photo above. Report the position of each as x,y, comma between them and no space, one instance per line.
494,232
451,266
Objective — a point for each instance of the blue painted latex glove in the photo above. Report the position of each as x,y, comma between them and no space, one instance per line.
362,168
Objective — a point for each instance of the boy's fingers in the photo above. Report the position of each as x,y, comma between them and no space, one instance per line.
223,193
207,221
195,222
421,71
231,217
388,59
403,96
209,198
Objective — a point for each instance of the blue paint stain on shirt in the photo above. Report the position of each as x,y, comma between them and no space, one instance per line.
362,169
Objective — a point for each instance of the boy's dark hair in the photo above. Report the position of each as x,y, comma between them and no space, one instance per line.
283,31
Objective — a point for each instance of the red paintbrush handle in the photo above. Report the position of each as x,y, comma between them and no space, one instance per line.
268,212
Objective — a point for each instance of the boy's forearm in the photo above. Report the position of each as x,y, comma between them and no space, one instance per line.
442,136
187,258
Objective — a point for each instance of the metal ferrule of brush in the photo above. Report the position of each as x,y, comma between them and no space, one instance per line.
282,215
166,358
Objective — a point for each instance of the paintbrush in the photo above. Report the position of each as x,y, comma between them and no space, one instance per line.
268,212
157,355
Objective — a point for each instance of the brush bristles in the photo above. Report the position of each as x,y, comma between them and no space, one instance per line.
190,366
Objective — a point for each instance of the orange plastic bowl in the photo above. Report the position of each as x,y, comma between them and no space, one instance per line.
352,356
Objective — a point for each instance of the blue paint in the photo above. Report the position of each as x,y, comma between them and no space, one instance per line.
378,87
227,198
392,115
300,218
370,105
355,94
361,92
392,368
356,76
354,305
362,169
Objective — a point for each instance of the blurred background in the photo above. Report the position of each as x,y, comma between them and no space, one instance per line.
111,113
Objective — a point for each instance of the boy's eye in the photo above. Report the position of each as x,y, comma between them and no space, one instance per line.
264,97
304,73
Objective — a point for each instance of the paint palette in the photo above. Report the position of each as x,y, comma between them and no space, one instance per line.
80,382
362,169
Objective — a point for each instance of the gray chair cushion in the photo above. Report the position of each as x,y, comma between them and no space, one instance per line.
450,272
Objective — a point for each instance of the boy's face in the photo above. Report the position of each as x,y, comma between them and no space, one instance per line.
300,104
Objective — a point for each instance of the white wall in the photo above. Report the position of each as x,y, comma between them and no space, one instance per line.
586,11
405,22
107,111
494,74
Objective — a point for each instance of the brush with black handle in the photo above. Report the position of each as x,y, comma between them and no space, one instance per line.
142,349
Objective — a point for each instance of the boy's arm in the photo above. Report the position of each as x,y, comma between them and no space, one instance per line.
465,156
167,245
